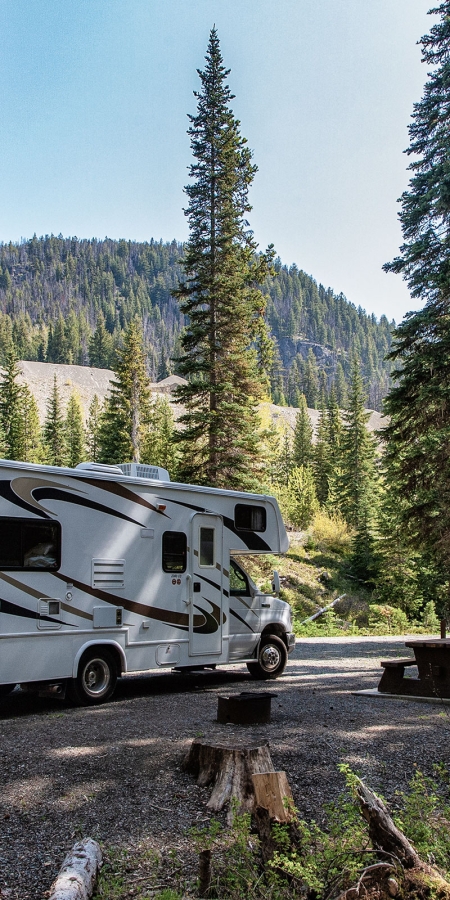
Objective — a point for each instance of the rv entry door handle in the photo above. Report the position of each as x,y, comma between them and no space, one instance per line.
188,597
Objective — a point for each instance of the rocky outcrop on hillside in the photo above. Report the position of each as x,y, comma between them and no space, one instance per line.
87,381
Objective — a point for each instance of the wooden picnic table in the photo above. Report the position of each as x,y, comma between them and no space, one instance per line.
432,658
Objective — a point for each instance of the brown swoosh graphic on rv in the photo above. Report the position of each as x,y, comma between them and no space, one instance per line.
121,491
39,595
180,620
23,487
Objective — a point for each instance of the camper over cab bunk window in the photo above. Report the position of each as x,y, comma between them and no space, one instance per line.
29,544
249,518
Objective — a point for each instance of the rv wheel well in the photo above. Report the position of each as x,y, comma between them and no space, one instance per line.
276,629
112,650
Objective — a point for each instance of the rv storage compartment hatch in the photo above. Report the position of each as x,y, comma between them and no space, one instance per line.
107,616
168,654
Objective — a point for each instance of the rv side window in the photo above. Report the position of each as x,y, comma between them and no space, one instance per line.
29,544
249,518
206,555
238,581
174,551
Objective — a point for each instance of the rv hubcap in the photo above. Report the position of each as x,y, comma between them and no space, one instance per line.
96,677
270,657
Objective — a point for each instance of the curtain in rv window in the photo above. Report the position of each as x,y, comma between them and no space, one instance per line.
29,544
249,518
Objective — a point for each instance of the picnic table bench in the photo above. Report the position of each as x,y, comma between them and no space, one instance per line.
432,658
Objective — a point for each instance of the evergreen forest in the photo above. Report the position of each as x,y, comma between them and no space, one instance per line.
69,300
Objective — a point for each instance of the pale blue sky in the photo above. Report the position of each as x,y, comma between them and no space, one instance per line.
93,103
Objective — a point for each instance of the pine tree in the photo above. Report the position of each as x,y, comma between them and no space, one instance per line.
55,448
321,459
32,438
302,450
418,436
334,442
218,294
358,478
159,447
302,498
93,430
284,461
340,385
75,433
11,408
127,408
101,345
311,380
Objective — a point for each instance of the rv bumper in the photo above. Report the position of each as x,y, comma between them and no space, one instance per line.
290,638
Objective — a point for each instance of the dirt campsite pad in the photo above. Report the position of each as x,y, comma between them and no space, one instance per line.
113,772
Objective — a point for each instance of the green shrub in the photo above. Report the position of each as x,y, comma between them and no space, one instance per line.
384,619
430,619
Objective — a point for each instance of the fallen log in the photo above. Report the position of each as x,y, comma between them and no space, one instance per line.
79,872
419,878
229,770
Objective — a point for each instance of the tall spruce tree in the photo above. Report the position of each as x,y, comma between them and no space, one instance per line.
55,448
219,295
127,408
321,458
418,436
159,447
101,350
93,429
11,408
334,441
75,433
302,450
358,477
32,438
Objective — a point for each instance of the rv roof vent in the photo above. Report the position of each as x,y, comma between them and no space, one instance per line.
100,468
139,470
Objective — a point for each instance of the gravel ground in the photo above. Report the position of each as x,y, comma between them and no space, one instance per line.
113,772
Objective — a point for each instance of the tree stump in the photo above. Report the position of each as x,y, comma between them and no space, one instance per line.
229,770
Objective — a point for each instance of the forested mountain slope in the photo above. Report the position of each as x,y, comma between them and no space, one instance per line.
67,300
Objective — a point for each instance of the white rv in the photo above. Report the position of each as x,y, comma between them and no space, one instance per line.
106,570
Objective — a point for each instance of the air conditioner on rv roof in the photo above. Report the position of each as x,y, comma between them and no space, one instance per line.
140,470
132,470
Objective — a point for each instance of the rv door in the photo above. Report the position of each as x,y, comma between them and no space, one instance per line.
205,585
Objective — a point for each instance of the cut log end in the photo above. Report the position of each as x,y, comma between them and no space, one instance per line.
79,872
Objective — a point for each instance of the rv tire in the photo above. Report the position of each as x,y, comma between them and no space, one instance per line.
6,689
272,658
96,679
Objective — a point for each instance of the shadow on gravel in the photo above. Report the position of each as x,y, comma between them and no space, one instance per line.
19,703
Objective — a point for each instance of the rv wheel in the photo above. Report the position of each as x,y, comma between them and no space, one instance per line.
96,679
6,689
272,658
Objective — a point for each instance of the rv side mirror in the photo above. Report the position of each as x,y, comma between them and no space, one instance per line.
276,583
